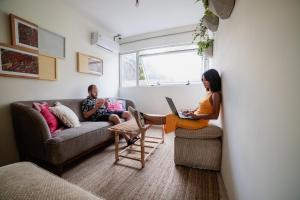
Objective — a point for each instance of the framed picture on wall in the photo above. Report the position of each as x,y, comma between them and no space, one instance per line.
89,64
24,34
15,62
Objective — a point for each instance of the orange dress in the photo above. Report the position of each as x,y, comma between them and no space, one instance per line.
173,121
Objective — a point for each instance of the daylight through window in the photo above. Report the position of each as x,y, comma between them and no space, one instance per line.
164,66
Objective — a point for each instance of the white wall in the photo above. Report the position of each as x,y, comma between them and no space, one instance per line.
152,99
64,20
257,49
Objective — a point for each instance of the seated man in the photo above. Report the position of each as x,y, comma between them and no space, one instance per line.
94,109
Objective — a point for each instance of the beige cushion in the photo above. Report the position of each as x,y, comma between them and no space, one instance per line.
66,115
25,180
209,132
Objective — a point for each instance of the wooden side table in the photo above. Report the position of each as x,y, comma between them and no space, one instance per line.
130,127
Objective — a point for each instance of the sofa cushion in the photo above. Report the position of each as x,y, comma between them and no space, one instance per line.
114,104
25,180
52,121
66,115
209,132
73,141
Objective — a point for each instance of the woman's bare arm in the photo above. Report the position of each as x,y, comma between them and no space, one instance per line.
216,100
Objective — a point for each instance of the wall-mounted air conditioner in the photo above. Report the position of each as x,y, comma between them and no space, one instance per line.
104,42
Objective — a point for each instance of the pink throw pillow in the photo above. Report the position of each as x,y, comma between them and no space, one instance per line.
52,121
115,106
50,118
38,106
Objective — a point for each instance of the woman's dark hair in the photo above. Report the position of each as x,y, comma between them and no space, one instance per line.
214,79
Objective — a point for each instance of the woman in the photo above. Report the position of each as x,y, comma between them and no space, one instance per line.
209,108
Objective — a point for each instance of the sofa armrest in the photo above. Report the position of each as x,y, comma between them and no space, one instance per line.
31,130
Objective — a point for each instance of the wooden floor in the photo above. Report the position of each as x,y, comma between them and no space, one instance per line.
160,179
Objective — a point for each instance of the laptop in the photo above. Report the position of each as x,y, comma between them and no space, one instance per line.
174,110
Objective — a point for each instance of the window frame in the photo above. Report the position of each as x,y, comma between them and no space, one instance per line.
120,70
205,64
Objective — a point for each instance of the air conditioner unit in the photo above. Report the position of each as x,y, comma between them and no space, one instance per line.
104,42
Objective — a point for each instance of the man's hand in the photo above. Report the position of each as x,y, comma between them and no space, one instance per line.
99,103
106,102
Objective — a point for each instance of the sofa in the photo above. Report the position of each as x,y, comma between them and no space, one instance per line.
25,180
36,144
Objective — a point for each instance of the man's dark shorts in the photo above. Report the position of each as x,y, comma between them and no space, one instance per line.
105,116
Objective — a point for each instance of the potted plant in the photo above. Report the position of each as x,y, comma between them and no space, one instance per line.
222,8
206,47
210,20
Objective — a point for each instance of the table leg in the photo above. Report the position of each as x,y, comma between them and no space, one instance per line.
142,142
142,153
162,134
117,146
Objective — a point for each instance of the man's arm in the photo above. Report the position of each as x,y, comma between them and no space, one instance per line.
88,114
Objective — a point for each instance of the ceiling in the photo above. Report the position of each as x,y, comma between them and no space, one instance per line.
123,17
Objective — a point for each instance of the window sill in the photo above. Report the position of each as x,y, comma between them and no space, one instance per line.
163,85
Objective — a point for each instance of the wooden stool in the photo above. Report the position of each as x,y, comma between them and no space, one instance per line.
133,128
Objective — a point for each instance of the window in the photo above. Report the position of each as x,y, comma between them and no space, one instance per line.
164,66
128,70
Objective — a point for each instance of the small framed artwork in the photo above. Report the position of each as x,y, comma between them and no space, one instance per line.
15,62
24,34
47,68
89,64
51,44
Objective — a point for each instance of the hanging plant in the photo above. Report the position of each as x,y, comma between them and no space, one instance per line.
204,43
200,30
205,3
208,21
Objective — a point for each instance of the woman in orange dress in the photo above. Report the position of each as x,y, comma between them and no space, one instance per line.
209,108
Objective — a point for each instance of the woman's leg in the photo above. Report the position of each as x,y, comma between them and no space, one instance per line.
154,119
143,118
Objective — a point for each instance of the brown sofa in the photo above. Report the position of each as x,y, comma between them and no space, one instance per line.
35,142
